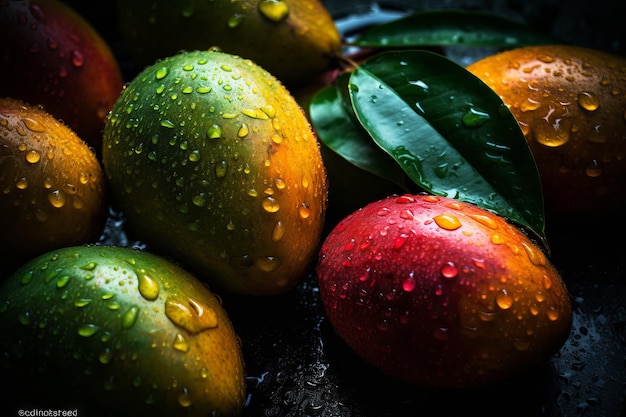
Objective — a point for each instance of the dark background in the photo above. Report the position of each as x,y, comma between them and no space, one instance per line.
297,366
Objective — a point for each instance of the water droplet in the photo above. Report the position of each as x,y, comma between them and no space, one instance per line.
431,199
235,21
82,302
221,168
551,135
535,255
409,284
496,239
593,170
475,118
243,131
183,398
167,123
194,156
588,101
504,300
130,317
199,200
255,113
447,221
21,184
485,220
304,211
441,333
267,263
191,315
33,125
270,204
105,356
148,287
214,132
88,330
449,270
275,10
77,59
529,105
553,314
278,231
400,240
161,73
180,343
57,199
63,280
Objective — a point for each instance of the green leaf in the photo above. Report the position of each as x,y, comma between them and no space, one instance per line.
452,27
450,133
336,125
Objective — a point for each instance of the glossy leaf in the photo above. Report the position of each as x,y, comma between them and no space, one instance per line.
337,127
452,27
450,133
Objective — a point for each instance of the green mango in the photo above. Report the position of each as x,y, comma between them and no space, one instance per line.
295,40
116,331
214,164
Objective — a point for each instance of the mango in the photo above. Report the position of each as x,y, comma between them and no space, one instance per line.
214,163
53,57
53,191
294,40
570,102
440,293
108,330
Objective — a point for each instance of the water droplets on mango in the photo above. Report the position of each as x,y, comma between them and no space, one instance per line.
267,263
588,101
191,315
270,204
57,198
504,300
88,330
148,287
180,343
274,10
447,221
221,168
214,132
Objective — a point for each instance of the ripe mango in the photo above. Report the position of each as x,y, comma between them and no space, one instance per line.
294,40
570,103
108,330
214,163
55,58
52,186
441,293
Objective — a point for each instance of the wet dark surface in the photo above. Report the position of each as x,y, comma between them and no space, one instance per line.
297,366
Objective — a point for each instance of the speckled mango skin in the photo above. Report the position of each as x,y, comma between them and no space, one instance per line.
214,163
295,40
441,293
570,102
52,186
113,331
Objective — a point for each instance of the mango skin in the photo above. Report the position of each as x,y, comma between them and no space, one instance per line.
53,57
570,103
53,190
116,331
440,293
214,163
295,40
